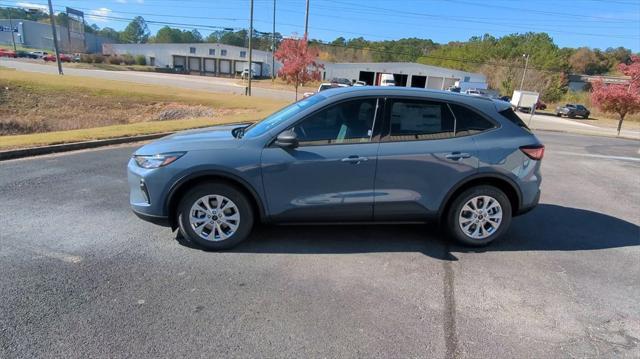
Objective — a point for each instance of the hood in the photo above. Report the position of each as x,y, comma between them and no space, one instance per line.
199,139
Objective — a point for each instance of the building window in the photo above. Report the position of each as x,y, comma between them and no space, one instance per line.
212,52
243,54
223,52
192,50
152,61
467,79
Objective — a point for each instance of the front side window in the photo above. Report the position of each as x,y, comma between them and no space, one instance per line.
281,116
345,122
469,122
419,120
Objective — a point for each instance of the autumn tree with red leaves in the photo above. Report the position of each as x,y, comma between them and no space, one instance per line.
622,99
299,64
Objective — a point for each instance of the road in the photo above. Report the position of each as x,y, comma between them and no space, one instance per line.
201,83
83,277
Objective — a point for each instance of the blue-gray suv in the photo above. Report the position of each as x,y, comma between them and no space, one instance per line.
346,155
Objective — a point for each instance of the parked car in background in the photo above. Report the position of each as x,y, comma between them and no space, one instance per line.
52,58
7,53
467,162
572,111
38,54
341,81
324,86
359,83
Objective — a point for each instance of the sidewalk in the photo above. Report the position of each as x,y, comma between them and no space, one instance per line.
553,123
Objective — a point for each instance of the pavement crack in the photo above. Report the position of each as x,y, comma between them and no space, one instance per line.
449,315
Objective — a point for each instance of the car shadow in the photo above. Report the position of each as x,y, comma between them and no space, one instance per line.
547,228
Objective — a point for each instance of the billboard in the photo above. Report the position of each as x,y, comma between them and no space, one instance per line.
75,31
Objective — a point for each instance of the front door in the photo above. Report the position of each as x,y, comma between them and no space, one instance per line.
330,175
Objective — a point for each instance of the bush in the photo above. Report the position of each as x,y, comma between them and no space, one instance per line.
114,60
86,58
128,59
141,60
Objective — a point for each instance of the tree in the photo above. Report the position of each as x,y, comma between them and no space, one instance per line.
618,98
299,64
137,32
109,33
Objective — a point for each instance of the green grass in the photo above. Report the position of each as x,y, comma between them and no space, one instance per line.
78,100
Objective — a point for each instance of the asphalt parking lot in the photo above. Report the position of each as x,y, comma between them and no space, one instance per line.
83,277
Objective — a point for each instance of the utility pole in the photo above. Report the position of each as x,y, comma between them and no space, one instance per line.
13,38
306,21
55,37
273,45
526,63
250,72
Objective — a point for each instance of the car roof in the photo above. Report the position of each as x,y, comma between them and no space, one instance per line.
402,91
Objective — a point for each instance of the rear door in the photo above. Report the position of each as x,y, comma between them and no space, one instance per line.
422,155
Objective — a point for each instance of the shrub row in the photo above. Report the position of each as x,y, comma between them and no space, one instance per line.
113,59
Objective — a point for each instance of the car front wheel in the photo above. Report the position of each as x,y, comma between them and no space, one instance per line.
479,215
215,216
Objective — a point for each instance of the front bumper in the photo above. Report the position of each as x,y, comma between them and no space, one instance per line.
159,220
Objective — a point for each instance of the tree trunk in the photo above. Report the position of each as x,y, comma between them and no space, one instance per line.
620,124
297,96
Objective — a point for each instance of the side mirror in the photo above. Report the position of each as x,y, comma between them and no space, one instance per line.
287,139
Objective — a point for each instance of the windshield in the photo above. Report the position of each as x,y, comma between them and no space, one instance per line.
281,116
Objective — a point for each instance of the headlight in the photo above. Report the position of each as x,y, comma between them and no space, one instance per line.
159,160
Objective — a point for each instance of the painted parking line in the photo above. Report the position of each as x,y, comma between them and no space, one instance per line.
620,158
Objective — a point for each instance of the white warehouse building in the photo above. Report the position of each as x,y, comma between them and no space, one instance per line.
199,58
405,74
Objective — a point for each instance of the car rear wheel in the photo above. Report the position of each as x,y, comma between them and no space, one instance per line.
215,216
479,215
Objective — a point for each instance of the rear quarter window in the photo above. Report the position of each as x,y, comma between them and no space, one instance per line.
513,118
469,122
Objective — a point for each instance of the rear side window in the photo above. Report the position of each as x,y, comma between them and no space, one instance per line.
419,120
469,122
511,116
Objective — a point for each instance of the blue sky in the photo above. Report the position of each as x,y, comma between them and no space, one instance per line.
573,23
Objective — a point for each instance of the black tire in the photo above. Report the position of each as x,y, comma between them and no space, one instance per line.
221,189
453,222
559,114
586,117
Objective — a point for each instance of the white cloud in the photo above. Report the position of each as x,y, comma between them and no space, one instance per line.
98,15
29,5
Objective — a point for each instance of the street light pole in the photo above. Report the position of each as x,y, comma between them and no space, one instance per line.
526,63
273,45
55,37
13,38
306,21
250,72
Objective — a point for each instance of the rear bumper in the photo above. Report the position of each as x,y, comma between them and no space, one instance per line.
159,220
527,207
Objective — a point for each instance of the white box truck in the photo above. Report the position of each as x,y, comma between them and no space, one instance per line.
524,100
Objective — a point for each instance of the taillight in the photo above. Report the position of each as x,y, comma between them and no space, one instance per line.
535,152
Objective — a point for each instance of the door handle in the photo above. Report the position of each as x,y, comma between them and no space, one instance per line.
354,159
455,156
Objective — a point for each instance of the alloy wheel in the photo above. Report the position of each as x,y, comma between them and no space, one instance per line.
214,217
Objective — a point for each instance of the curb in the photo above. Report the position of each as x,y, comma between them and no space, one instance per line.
45,150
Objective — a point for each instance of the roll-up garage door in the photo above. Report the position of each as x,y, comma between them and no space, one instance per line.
225,66
434,82
210,65
194,64
240,65
179,63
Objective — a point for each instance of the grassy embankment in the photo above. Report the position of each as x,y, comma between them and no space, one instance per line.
39,109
